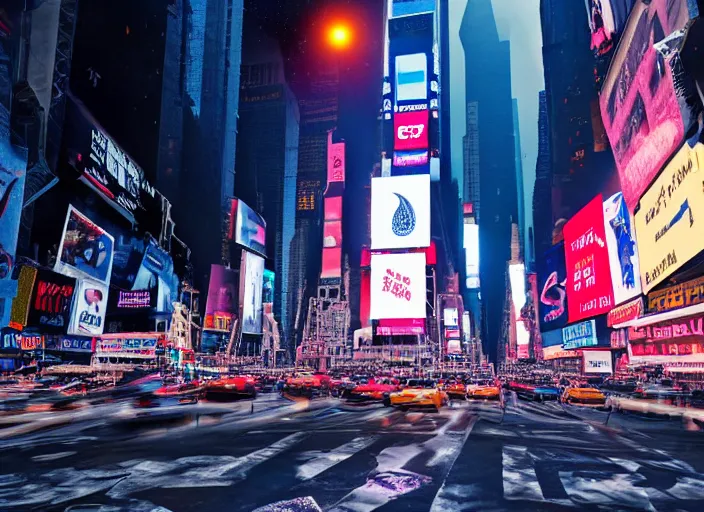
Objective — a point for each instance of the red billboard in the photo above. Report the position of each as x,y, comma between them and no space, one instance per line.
589,288
411,130
332,249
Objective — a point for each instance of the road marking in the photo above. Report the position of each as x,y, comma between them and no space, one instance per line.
325,461
519,477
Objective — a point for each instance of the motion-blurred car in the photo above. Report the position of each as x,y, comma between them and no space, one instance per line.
620,385
587,396
418,393
230,388
487,389
373,391
456,389
661,391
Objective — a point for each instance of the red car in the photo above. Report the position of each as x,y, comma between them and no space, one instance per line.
374,390
230,388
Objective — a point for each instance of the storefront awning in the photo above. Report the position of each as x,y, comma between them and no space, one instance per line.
662,317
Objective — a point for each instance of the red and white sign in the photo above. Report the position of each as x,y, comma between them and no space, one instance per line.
336,160
396,327
625,312
681,328
398,286
411,130
589,287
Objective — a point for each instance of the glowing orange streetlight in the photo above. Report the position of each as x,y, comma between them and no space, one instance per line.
339,36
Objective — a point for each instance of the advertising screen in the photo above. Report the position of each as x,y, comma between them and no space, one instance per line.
471,252
268,287
89,305
623,253
404,327
52,297
451,317
682,295
86,249
579,335
398,286
670,221
552,282
222,295
639,105
247,227
606,20
127,345
253,272
587,262
413,158
597,361
400,212
411,77
517,278
332,250
411,130
408,7
336,161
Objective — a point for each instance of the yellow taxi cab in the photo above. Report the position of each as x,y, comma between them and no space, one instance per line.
584,395
456,389
487,389
418,393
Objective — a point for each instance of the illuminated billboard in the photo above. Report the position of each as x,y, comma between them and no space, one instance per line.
411,130
606,20
579,335
639,104
409,7
517,278
221,303
247,227
336,160
597,361
252,269
451,317
89,305
400,212
552,281
413,158
332,250
623,254
411,77
670,221
471,252
398,286
86,250
589,285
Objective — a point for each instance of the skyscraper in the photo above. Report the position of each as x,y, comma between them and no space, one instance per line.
267,150
542,192
490,134
522,222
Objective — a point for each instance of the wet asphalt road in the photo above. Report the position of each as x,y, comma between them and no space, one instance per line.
338,457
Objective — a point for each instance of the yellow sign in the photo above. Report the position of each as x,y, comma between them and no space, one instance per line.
670,221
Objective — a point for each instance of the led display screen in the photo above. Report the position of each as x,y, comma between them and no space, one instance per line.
247,227
336,160
398,286
408,7
400,212
606,20
670,221
89,305
411,130
332,249
413,158
221,303
579,335
451,317
517,278
587,262
411,77
639,104
552,281
597,361
50,306
471,252
623,253
86,250
253,272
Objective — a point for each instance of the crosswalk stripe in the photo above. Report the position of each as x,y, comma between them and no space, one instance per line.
325,461
520,479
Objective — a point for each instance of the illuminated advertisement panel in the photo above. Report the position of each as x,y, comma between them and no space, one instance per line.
552,279
253,272
268,287
133,345
639,104
673,341
411,77
400,212
623,253
336,160
606,20
332,249
587,263
86,250
411,130
409,7
398,286
471,251
89,305
517,278
221,303
397,327
597,361
451,317
50,306
579,335
410,158
670,221
247,227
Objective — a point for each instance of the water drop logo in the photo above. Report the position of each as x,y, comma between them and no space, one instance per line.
404,220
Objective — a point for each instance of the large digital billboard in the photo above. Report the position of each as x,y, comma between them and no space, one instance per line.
411,77
268,290
587,263
89,305
623,253
552,282
670,221
332,250
639,104
222,297
414,158
471,253
247,227
400,212
86,249
411,130
52,297
253,272
517,278
409,7
398,286
606,20
336,160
